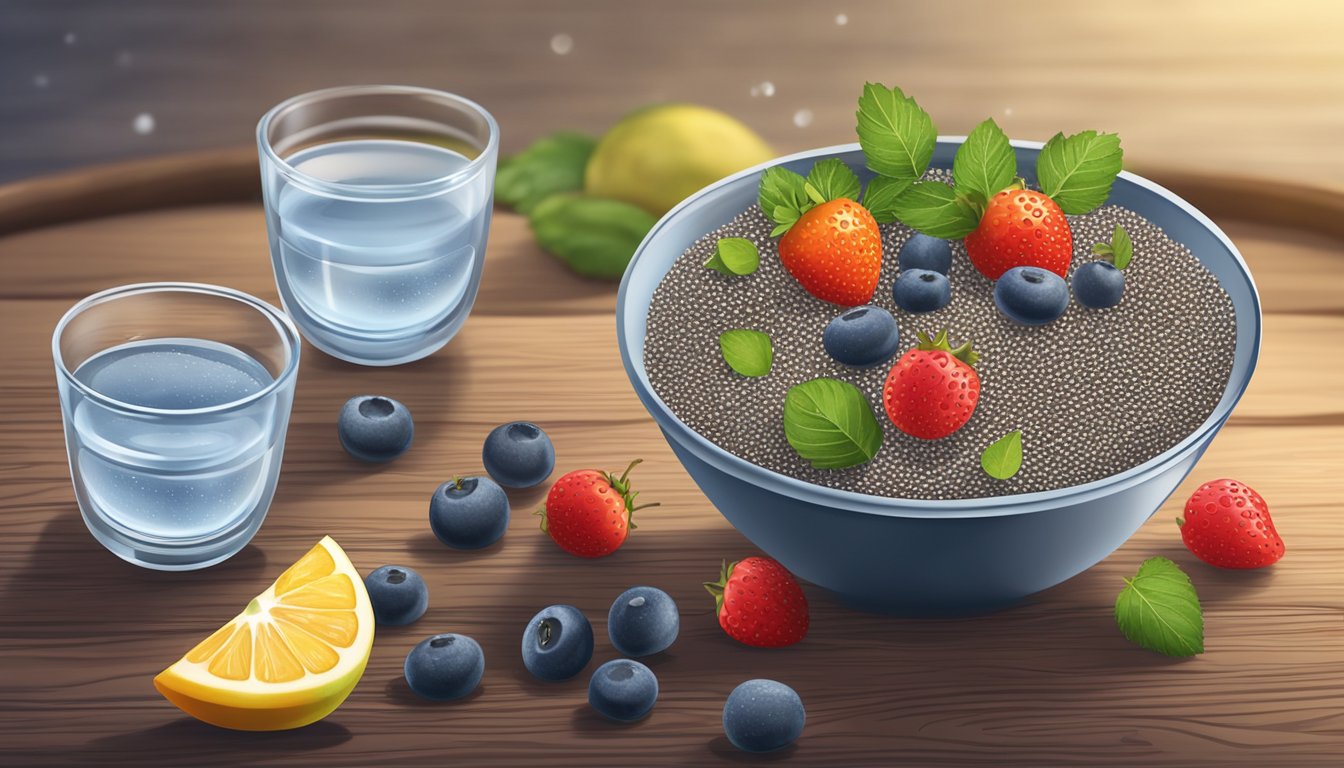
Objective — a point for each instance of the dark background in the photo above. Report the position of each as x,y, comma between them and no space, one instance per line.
1216,86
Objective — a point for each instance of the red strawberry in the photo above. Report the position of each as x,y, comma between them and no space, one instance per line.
835,251
759,603
1227,524
932,390
1021,228
589,512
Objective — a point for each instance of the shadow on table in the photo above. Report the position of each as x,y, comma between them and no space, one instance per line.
723,749
197,743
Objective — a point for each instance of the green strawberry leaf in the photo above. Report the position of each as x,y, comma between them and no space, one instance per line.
985,162
1159,610
747,352
880,197
550,165
1077,171
783,197
1122,247
595,236
935,209
1003,458
834,180
735,256
830,424
896,134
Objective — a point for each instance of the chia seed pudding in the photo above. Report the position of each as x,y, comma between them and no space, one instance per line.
1094,393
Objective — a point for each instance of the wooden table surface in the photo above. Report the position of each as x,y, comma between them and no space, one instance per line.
1049,683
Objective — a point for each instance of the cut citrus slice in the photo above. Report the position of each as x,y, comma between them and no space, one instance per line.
289,659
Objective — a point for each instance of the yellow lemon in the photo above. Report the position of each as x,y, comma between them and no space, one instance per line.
656,157
289,659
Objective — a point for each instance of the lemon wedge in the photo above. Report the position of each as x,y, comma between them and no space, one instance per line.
289,659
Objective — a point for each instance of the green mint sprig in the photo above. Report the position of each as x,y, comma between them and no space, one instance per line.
831,424
734,256
783,197
551,165
896,134
747,352
1077,171
985,164
1120,249
1003,458
831,179
595,236
1159,610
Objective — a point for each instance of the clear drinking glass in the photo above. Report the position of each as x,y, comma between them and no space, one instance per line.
175,398
378,204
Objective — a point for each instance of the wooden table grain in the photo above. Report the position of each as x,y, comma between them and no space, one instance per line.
1049,683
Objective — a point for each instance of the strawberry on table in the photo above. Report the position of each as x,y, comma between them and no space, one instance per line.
589,512
759,603
1227,525
932,390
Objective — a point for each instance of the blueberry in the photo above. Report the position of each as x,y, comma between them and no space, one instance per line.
862,337
1031,296
623,690
924,252
469,512
398,594
1098,285
921,290
374,428
643,621
518,454
763,715
445,667
558,643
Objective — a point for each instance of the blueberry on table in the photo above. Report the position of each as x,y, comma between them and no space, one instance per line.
1098,285
558,643
643,621
398,594
921,290
445,667
862,337
374,428
763,715
518,454
469,512
924,252
623,690
1031,296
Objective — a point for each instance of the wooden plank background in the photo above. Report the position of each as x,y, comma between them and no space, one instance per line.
1195,86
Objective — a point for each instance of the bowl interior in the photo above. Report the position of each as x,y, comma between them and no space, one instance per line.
719,203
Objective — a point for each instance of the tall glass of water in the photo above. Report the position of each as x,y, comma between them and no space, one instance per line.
378,205
175,398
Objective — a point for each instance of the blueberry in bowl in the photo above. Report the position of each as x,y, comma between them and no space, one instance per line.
862,337
1031,296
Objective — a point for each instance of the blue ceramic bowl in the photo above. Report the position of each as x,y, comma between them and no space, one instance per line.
929,557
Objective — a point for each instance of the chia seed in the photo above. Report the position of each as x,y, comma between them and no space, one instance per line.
1095,393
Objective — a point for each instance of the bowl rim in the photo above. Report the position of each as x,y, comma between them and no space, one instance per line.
674,429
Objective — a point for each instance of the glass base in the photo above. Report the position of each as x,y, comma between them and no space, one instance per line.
377,351
167,555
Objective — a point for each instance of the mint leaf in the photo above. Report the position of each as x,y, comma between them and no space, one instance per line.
735,256
747,352
1103,249
933,208
1122,248
1077,172
896,134
830,424
1159,610
1003,458
783,197
834,180
880,197
553,164
595,236
985,162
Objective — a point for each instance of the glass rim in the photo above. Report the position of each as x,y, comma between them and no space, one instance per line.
284,327
412,189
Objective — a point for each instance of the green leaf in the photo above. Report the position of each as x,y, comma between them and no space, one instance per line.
985,162
1103,249
1121,247
880,197
830,424
933,208
1159,610
834,180
735,256
747,352
896,134
595,236
1077,172
553,164
783,196
1003,457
